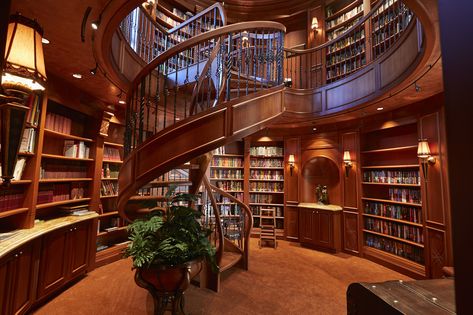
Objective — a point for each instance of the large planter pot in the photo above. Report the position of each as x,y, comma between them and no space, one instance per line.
168,283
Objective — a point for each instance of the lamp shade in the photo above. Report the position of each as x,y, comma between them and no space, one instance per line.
291,159
423,149
315,23
346,156
24,59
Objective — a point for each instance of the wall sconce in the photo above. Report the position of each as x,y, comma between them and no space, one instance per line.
23,72
347,161
291,161
423,153
315,24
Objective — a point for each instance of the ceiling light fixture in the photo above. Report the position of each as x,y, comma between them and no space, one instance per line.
121,102
379,108
314,129
77,75
95,24
45,41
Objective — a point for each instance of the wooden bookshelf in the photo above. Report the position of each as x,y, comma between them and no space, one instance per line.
393,217
266,182
60,203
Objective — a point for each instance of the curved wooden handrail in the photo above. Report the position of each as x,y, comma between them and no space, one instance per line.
217,5
237,27
221,247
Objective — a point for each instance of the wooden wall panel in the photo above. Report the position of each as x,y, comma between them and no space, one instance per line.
350,232
291,221
433,192
291,182
438,255
351,91
350,191
303,101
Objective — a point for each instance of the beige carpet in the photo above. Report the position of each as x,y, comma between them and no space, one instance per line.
287,280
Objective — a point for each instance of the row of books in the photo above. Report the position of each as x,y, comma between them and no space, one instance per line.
279,212
226,174
405,195
110,172
229,209
76,149
58,123
407,232
392,177
346,67
111,154
176,174
266,151
78,210
262,198
385,6
267,187
61,192
220,150
227,161
230,185
344,17
161,191
11,200
339,31
347,41
397,248
345,55
411,214
266,174
34,105
108,188
55,170
28,140
266,163
18,170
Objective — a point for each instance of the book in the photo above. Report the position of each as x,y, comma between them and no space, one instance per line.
19,168
69,148
28,140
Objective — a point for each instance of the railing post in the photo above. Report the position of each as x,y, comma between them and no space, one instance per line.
228,66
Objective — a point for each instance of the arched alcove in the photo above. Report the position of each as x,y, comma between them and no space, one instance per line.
324,171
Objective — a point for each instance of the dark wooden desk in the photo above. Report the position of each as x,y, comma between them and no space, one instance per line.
430,297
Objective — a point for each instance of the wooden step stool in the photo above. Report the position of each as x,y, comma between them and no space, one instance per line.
268,227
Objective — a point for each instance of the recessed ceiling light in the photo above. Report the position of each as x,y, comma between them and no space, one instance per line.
380,108
45,41
95,25
121,102
314,129
77,75
177,118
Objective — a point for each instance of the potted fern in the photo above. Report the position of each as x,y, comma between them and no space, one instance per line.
168,248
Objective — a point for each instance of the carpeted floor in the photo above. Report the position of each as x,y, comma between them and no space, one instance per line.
287,280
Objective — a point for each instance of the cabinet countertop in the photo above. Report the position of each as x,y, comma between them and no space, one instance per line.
21,237
319,206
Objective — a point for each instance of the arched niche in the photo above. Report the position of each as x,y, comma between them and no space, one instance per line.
320,170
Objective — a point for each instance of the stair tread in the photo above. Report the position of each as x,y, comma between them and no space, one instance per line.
229,260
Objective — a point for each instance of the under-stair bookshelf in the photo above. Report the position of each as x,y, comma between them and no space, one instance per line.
227,173
112,236
393,220
266,182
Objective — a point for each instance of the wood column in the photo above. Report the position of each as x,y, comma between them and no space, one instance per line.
457,67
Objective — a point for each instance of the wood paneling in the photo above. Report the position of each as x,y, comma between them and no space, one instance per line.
351,91
291,181
306,101
306,226
350,232
438,256
325,229
350,197
291,220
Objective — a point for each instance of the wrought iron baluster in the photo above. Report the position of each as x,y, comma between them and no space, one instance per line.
176,86
228,66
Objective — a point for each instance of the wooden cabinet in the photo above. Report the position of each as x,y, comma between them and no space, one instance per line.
16,286
320,228
292,223
64,255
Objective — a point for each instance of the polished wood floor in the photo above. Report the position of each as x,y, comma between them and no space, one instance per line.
286,280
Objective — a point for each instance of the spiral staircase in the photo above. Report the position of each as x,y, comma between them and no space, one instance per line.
204,83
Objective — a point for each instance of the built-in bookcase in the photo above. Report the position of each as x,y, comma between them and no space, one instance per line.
393,220
266,182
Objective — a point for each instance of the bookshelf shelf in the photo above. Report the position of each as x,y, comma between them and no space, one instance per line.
8,213
391,166
265,168
61,180
157,198
266,192
392,184
113,144
228,179
108,214
110,178
394,238
60,203
392,219
57,134
61,157
229,155
26,154
265,180
393,149
112,162
393,202
111,196
417,268
21,182
228,167
266,204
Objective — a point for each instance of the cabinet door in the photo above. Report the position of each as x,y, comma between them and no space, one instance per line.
292,223
306,226
54,262
5,285
324,229
79,237
23,275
